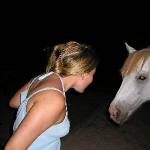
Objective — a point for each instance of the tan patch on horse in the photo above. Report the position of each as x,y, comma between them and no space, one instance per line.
135,61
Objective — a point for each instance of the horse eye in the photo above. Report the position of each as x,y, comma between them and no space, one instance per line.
141,77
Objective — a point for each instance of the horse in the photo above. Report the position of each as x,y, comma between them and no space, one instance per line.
135,86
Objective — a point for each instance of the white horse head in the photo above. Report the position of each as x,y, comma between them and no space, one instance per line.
135,86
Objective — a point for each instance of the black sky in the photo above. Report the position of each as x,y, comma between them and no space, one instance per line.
25,35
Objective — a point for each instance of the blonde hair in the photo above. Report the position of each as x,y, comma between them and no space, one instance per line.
134,60
72,58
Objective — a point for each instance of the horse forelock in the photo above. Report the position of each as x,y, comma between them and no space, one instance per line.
135,61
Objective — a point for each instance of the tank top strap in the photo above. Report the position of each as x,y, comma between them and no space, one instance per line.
50,73
62,83
32,82
45,75
41,77
45,89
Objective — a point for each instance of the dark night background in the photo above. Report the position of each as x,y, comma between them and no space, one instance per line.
25,32
24,36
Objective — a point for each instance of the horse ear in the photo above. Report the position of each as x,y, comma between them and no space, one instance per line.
129,48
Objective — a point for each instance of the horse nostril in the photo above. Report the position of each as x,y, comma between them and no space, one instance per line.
115,113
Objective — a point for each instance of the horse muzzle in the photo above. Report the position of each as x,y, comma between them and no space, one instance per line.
117,114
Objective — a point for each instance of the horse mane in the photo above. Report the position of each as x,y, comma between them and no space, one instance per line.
135,61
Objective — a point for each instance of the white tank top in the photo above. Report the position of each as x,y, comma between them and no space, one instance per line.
50,138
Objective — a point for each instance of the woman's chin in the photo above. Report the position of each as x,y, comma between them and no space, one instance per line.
80,90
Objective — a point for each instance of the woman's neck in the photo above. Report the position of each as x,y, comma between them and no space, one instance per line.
69,82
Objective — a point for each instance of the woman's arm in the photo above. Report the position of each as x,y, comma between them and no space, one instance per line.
48,107
15,100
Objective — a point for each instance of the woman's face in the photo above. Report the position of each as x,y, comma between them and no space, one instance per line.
84,81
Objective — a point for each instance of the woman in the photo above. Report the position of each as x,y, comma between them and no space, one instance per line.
42,111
